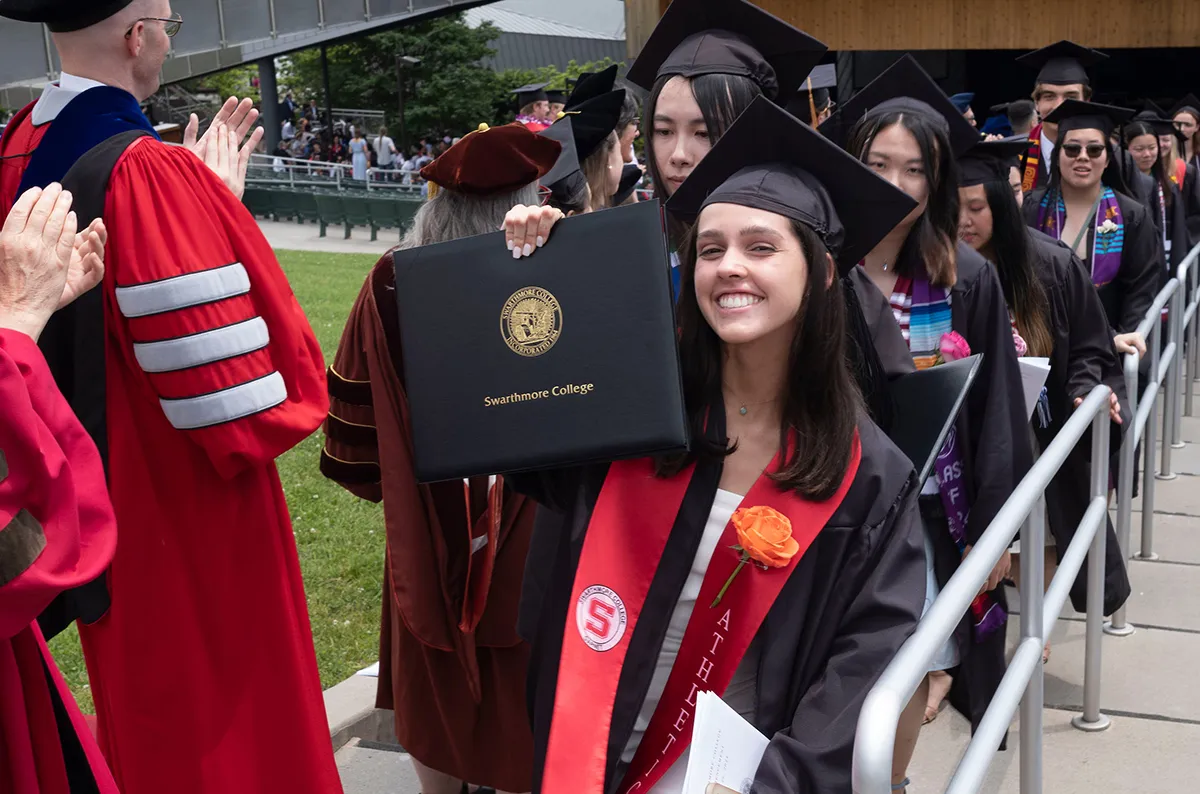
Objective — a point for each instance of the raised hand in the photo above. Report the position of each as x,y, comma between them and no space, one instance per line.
87,263
36,245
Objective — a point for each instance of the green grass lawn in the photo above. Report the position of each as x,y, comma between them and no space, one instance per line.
340,538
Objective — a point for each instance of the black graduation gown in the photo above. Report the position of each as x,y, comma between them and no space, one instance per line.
1176,231
853,600
1126,298
1083,357
1191,202
997,454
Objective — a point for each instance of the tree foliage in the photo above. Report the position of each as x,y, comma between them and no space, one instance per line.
449,92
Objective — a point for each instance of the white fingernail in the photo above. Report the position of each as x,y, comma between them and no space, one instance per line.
516,253
541,241
510,244
528,249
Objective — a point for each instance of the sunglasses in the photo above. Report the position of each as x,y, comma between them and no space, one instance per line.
1073,150
171,25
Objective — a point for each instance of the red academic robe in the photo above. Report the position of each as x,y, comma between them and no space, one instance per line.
203,671
451,664
57,532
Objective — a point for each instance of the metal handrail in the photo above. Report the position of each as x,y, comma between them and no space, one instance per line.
875,738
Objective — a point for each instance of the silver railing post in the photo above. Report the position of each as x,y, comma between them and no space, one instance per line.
1033,598
1149,439
1092,719
1169,351
1178,328
1117,625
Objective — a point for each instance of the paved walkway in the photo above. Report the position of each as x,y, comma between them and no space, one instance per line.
1148,689
1148,683
307,237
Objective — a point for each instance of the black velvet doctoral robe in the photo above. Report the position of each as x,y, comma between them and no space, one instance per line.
1083,358
1126,298
854,598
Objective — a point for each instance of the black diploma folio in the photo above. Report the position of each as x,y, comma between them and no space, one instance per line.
931,399
564,357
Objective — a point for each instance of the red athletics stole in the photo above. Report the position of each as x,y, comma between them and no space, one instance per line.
1033,158
625,540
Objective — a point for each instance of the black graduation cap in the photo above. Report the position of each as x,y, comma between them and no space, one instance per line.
62,16
814,91
1156,119
1189,103
1076,115
631,174
592,84
556,97
581,131
903,86
990,161
1062,63
962,101
771,160
697,37
528,94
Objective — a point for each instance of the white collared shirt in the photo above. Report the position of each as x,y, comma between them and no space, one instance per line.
57,96
1047,150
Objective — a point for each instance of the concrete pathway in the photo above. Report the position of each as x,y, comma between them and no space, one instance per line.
1148,688
307,237
1148,683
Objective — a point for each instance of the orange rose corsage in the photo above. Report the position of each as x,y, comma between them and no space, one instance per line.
764,538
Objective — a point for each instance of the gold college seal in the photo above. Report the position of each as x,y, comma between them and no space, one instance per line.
531,321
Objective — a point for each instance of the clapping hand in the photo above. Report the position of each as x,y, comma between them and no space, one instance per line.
87,263
236,119
37,244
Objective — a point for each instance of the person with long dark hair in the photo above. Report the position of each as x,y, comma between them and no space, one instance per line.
1085,206
944,294
1143,140
783,458
1058,315
1186,116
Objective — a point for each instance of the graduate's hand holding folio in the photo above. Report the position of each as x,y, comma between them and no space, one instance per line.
527,229
37,244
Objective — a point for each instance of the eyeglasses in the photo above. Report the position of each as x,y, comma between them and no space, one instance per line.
1073,150
171,25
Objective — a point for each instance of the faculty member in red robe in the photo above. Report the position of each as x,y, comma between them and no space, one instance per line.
56,524
202,669
451,663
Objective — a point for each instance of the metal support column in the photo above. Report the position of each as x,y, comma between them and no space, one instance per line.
269,106
328,138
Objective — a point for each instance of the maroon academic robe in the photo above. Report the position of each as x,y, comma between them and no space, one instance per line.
452,666
58,532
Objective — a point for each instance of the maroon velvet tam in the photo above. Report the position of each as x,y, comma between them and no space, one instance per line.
493,160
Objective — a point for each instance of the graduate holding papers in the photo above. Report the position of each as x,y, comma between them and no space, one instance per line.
779,562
